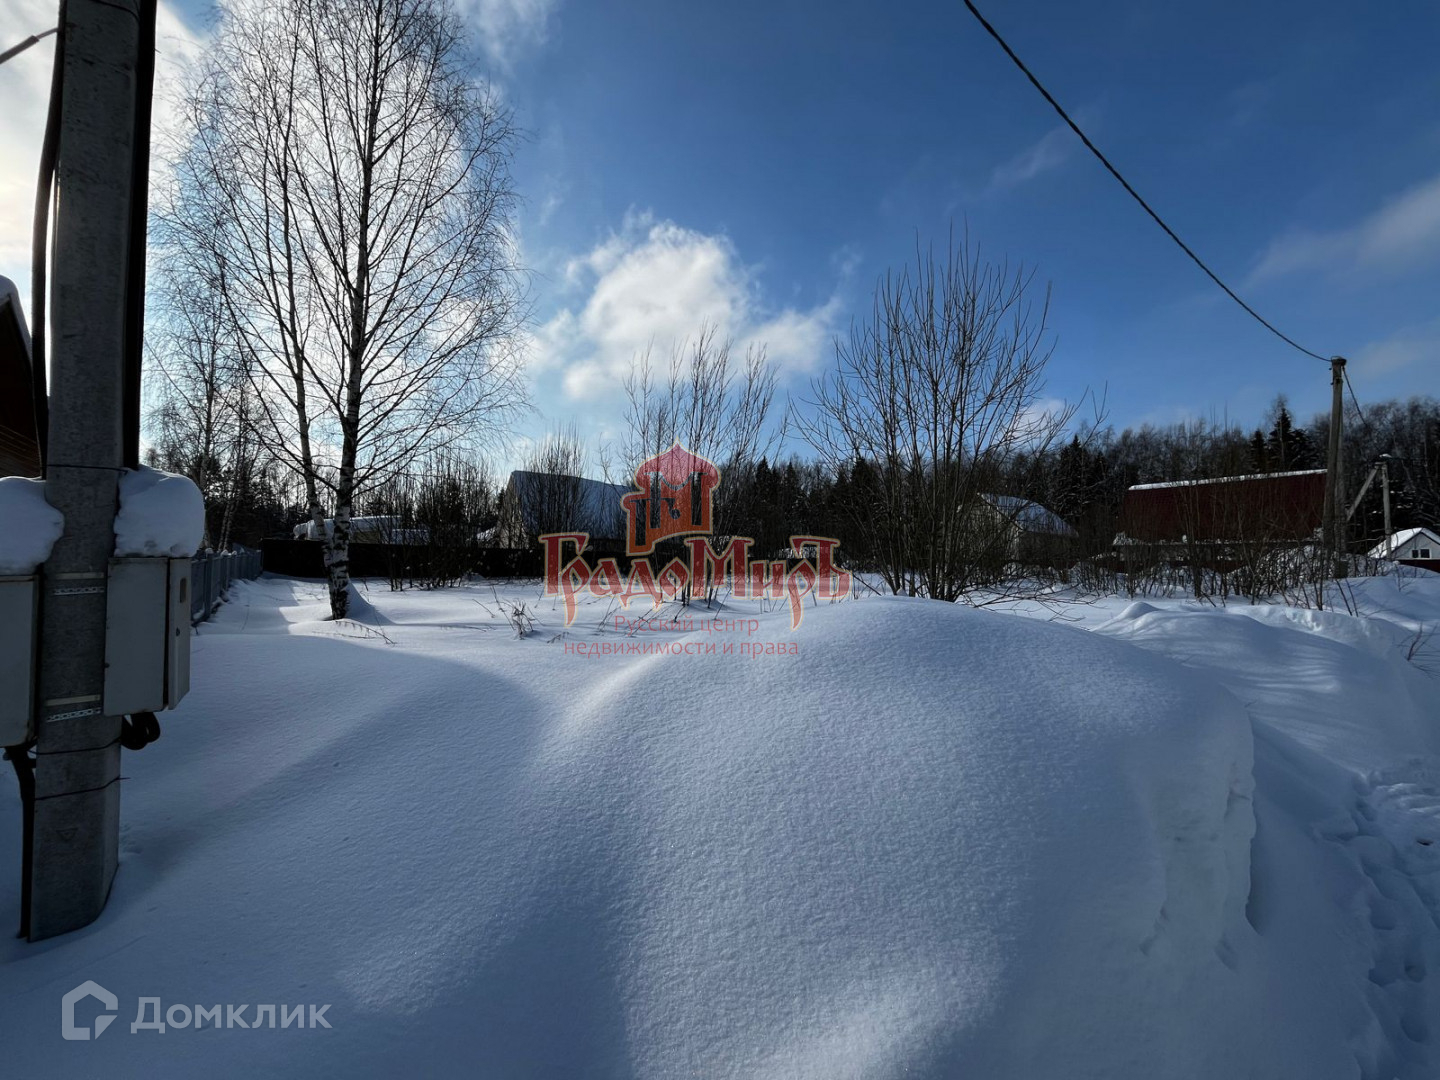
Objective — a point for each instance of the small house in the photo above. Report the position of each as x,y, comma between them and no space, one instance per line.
534,504
1413,547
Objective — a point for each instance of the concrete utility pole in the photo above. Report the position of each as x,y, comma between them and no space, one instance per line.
1385,497
73,844
1334,498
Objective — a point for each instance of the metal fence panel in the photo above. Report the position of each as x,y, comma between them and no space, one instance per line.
213,572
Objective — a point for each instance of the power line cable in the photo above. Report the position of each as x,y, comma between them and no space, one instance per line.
1133,193
1359,412
33,39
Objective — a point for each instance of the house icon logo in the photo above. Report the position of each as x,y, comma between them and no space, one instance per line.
672,497
79,994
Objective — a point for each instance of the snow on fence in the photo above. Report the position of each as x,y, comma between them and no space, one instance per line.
211,574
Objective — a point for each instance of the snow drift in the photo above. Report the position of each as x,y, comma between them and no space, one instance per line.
937,843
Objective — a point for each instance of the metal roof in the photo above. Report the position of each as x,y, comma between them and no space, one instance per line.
1030,516
598,502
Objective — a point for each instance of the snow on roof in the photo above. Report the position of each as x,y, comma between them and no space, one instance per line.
1391,549
29,526
1030,516
1224,479
366,529
598,502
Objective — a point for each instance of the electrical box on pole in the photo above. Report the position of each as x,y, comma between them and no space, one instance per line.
18,632
147,635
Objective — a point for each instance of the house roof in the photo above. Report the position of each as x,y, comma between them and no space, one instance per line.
1401,539
1030,516
598,502
1225,480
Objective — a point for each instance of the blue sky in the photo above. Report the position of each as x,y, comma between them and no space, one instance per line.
1296,147
759,164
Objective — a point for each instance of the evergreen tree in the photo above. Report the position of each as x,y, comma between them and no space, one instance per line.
1289,447
1259,453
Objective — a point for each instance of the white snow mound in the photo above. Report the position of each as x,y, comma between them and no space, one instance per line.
160,514
29,526
937,843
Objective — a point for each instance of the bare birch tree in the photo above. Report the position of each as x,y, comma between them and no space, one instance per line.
347,184
710,405
200,403
704,399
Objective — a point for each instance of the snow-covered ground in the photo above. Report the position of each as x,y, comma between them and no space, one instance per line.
907,839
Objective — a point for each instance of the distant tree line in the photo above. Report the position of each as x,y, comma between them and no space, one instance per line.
931,413
1084,477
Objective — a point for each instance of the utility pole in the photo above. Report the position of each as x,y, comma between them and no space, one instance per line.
1385,493
73,841
1334,528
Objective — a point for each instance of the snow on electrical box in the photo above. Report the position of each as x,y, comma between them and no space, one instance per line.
160,514
29,526
160,524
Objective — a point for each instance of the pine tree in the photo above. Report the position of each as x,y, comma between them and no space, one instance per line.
1302,450
1259,454
1289,448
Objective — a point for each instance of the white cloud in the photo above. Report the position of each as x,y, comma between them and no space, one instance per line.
548,206
1250,101
1412,347
653,284
1035,422
176,48
1402,233
507,28
846,260
1051,151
